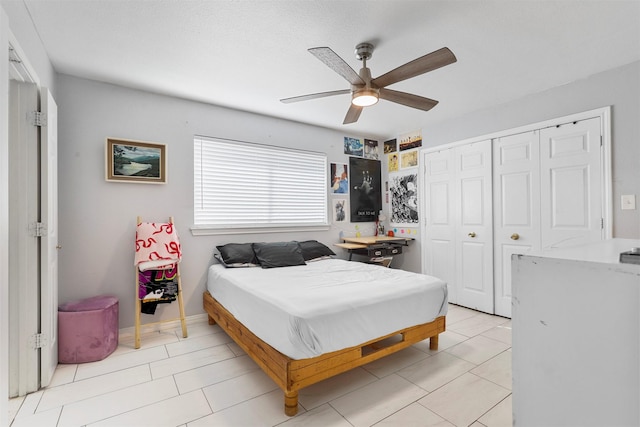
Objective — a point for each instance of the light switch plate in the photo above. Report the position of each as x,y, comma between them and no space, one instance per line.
628,201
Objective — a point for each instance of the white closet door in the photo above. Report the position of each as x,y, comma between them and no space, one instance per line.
516,207
439,253
571,184
474,252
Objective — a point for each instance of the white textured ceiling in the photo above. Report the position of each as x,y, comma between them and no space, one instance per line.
249,54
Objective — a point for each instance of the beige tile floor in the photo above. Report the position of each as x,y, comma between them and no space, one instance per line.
206,380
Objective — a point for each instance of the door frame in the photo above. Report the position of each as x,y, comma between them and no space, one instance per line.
4,220
603,113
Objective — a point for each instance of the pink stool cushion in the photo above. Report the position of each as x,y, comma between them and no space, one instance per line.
87,329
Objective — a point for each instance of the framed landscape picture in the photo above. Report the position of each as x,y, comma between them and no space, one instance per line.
136,161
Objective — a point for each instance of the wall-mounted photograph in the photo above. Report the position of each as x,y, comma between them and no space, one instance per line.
371,149
340,210
339,179
136,161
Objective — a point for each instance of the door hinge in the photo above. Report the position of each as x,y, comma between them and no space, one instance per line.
38,341
39,229
37,118
602,223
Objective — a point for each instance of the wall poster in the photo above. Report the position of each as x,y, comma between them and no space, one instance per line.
410,140
339,179
390,146
353,146
340,210
366,191
404,200
371,149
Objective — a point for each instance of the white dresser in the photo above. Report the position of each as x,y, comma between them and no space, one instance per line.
576,337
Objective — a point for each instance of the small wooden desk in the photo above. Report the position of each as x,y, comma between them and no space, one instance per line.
374,246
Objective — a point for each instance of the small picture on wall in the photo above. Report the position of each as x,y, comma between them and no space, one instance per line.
370,149
410,140
339,179
409,159
353,146
340,210
392,161
390,146
136,161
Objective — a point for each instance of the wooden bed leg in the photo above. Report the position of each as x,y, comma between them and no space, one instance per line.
290,403
211,320
433,342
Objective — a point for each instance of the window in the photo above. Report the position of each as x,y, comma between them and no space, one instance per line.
239,185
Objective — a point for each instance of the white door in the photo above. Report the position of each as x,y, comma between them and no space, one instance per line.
474,231
439,253
571,184
516,208
49,240
23,243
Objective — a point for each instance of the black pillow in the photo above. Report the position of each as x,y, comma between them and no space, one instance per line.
237,253
312,249
278,254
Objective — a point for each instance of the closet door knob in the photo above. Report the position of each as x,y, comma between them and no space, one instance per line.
515,236
472,234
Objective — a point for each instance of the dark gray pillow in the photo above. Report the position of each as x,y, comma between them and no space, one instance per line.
237,253
278,254
312,249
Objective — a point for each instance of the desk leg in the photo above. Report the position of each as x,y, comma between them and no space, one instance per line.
350,255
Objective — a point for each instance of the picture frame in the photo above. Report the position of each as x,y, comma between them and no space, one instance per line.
135,161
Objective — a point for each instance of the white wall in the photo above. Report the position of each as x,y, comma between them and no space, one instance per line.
97,218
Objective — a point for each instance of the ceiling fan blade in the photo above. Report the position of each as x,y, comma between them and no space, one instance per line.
337,64
315,96
352,114
408,99
424,64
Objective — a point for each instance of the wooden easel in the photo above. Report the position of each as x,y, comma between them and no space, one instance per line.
139,304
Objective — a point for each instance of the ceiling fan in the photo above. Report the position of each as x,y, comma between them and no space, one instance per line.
366,91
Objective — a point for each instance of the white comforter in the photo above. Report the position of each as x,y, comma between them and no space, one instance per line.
324,306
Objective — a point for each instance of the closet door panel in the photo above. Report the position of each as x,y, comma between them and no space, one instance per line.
516,198
571,184
474,230
439,253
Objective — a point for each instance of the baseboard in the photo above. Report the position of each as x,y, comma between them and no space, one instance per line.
158,327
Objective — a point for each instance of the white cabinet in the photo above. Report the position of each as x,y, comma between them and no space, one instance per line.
459,249
576,337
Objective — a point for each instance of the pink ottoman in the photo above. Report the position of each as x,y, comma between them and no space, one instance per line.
87,329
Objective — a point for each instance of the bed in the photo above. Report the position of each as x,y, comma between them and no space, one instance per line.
316,319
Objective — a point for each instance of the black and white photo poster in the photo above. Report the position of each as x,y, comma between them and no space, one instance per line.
404,200
340,210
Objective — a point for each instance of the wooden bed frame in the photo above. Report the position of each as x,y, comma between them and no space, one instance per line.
292,375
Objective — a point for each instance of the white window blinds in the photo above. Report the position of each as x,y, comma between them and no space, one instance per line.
243,185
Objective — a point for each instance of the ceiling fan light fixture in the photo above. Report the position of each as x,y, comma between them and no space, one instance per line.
364,97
